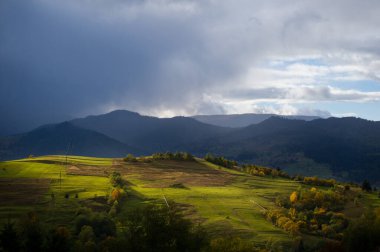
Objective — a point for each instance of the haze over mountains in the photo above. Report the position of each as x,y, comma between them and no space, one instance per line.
346,148
243,120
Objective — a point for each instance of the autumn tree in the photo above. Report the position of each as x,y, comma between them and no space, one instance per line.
293,197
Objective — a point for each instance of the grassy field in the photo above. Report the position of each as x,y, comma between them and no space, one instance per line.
226,202
40,184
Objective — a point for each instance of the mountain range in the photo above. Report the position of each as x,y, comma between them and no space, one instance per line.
151,133
344,148
244,120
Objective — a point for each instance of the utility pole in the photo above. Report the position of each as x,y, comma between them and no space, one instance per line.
66,163
163,195
167,204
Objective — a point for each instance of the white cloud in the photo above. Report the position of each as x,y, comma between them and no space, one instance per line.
302,94
279,109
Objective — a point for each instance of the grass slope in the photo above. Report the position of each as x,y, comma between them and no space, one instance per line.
226,201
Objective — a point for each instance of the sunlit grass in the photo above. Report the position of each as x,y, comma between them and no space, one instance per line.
233,207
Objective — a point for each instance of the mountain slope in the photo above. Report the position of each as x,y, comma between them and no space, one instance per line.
151,133
348,147
60,138
244,120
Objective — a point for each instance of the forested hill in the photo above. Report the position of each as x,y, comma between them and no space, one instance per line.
347,148
60,139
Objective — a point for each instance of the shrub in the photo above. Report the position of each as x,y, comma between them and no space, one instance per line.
130,158
116,179
293,197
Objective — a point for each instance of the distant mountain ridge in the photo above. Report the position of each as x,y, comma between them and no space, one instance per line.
345,148
150,133
244,120
60,139
349,148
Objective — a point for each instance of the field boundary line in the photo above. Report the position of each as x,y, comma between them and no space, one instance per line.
254,202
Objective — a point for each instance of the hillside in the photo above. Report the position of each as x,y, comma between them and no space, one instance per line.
226,202
347,148
343,148
60,139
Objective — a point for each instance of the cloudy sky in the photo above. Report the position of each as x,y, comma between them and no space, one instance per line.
64,59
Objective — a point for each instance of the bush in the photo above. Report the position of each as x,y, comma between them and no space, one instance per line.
130,158
116,179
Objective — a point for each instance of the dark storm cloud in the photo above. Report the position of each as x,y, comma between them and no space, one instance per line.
69,59
61,59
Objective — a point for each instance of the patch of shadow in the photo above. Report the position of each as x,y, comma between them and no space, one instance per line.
178,186
97,204
48,162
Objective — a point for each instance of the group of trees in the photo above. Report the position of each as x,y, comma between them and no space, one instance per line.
118,192
363,234
29,234
280,219
312,211
116,179
221,161
263,171
180,156
152,228
315,181
162,228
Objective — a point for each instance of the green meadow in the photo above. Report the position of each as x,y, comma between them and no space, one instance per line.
225,201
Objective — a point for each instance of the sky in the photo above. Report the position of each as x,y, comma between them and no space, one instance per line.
68,59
